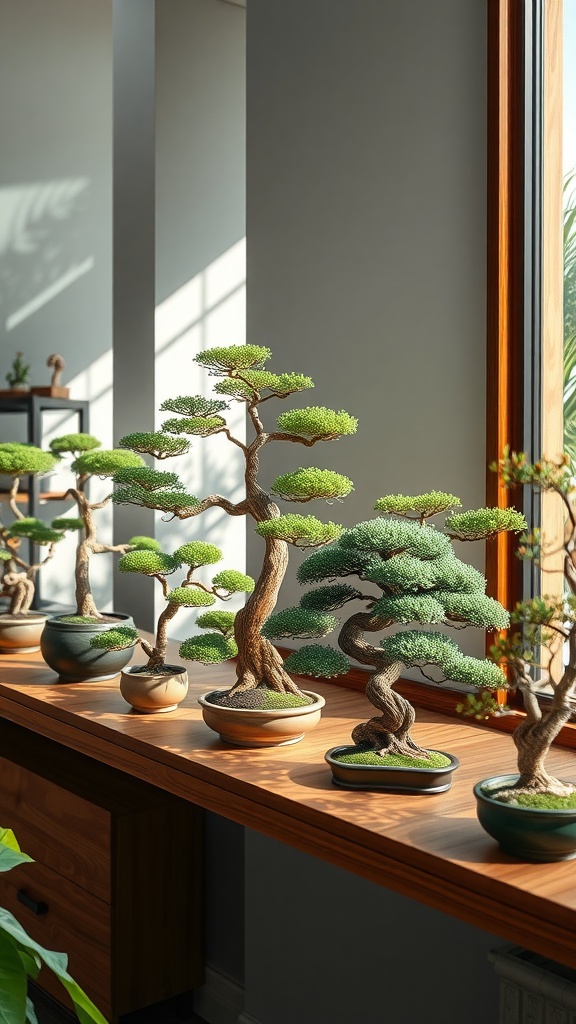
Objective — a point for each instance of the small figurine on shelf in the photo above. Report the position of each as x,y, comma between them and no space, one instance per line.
55,389
17,376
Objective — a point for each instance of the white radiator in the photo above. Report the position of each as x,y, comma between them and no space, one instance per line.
533,990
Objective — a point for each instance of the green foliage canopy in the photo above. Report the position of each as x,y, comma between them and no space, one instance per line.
302,531
155,443
318,661
208,649
298,622
423,505
24,459
233,358
481,523
147,562
74,443
104,462
308,483
233,581
317,421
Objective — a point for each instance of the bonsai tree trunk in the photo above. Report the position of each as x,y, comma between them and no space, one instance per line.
533,739
258,662
390,732
157,653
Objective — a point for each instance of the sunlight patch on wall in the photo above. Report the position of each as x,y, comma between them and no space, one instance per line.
42,244
208,310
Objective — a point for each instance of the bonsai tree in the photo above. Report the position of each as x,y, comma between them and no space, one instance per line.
416,577
21,957
18,574
242,378
544,629
90,460
17,376
215,646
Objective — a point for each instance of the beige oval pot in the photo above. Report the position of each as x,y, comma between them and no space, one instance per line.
20,634
151,693
256,727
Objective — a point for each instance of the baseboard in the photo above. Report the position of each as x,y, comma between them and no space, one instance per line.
220,1000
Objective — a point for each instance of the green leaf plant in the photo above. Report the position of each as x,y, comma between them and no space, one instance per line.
540,649
213,646
18,575
415,579
22,958
89,460
242,377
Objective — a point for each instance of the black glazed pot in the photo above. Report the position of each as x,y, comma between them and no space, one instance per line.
66,648
389,778
530,833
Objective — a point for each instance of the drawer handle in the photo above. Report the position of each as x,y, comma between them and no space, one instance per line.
36,906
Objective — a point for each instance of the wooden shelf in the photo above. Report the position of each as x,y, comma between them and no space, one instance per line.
430,848
23,498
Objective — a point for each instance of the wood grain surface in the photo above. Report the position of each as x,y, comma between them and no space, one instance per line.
428,847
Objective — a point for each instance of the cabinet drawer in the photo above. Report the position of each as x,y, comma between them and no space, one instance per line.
62,830
74,922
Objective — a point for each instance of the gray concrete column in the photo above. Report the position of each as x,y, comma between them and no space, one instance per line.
134,161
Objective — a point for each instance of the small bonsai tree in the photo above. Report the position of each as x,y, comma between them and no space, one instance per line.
215,646
18,575
17,376
242,378
90,460
544,629
418,579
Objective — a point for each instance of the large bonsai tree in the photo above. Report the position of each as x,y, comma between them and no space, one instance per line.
214,646
539,652
416,577
90,460
242,378
19,574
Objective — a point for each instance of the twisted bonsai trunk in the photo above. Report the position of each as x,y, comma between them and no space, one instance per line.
258,662
390,732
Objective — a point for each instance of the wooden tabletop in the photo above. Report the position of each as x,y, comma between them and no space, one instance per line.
428,847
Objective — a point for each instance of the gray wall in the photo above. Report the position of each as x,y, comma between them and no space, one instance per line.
366,239
324,946
55,222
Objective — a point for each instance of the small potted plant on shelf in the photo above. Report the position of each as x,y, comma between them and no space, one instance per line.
22,958
65,640
264,693
531,813
17,377
158,686
20,627
418,579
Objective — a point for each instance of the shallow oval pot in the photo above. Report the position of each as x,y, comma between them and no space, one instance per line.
530,833
66,648
258,727
389,778
20,634
151,693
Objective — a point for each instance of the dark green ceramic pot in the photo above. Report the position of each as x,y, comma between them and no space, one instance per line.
66,648
388,778
529,833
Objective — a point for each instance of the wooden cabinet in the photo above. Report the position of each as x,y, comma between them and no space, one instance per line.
117,877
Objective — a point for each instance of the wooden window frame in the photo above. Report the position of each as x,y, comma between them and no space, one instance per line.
507,301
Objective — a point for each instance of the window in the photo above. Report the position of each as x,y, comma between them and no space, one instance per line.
525,262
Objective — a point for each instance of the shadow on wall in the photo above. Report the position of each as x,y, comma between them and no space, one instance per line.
43,245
